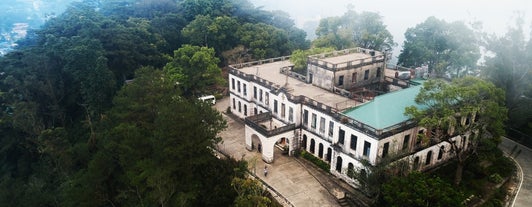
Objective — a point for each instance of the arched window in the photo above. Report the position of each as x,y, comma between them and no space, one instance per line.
428,159
320,150
304,142
416,163
350,170
329,154
440,154
312,144
339,164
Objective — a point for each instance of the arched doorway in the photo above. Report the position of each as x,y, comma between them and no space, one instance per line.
350,170
320,151
304,142
329,155
312,144
339,164
256,143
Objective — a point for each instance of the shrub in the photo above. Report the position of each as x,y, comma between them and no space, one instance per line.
318,162
495,178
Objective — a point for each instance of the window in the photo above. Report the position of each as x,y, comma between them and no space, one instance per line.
260,94
313,123
378,72
233,83
428,159
322,125
406,142
283,110
238,86
366,74
354,78
341,80
274,106
440,154
367,148
341,136
267,99
234,103
305,117
239,107
255,92
353,143
290,114
245,90
245,110
385,149
331,128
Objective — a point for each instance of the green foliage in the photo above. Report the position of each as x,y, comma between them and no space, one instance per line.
250,193
318,162
365,30
445,47
299,57
194,69
466,107
418,189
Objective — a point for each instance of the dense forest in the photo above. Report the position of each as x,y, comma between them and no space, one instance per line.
98,107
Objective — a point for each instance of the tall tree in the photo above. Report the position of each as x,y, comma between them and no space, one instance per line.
444,47
463,113
510,68
365,30
194,69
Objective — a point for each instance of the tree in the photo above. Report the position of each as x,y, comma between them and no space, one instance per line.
194,69
418,189
299,57
444,47
217,32
509,68
250,193
365,30
463,113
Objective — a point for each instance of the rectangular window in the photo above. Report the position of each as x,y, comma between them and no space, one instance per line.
233,83
283,110
341,136
366,74
245,110
406,142
379,72
260,94
385,149
234,103
331,128
322,125
239,107
245,90
290,114
313,123
305,117
353,143
274,106
341,80
255,92
367,148
354,78
238,86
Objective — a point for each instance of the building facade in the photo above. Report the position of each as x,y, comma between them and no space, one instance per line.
285,112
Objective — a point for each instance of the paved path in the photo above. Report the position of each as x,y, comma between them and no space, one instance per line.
287,176
523,156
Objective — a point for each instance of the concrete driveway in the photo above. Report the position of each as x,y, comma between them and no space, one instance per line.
523,156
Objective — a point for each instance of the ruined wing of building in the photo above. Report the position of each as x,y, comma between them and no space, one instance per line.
340,111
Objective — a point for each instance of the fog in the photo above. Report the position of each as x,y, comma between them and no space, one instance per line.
400,15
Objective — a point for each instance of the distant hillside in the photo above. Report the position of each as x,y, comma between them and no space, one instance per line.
18,16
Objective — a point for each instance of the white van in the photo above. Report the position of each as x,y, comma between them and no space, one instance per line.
209,99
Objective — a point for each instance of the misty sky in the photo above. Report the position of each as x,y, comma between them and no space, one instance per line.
399,15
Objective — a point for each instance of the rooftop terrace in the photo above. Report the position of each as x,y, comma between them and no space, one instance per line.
271,72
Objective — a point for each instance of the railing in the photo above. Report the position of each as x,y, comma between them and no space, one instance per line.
289,72
259,62
253,122
375,57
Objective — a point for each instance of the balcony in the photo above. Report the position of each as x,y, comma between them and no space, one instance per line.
266,125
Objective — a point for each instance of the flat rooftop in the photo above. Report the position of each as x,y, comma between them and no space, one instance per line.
386,110
345,58
271,72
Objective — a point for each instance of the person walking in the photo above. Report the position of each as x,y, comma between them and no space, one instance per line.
265,171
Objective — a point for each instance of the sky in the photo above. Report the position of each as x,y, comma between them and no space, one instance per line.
399,15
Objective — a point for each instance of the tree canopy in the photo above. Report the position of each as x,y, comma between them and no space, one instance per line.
450,48
468,109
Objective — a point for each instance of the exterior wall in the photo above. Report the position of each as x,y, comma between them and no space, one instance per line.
320,77
359,80
268,143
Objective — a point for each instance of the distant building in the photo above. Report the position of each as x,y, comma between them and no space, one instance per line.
286,111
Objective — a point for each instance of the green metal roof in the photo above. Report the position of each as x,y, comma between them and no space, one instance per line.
386,110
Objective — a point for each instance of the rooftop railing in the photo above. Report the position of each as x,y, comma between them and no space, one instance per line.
254,122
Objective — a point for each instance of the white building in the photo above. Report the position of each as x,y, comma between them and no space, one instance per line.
284,112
